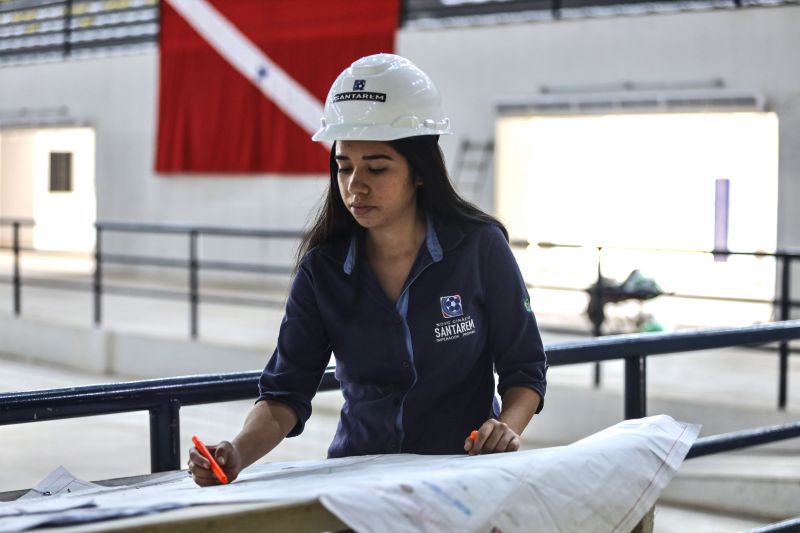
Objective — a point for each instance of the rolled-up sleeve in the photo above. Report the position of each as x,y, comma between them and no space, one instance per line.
303,351
514,340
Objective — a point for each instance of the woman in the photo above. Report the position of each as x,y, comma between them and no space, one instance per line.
413,289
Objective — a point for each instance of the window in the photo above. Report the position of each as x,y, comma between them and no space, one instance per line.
60,171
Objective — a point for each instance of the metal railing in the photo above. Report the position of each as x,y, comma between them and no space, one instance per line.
57,29
163,398
782,303
428,11
16,277
787,526
193,264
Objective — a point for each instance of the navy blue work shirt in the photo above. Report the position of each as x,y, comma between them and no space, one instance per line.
416,375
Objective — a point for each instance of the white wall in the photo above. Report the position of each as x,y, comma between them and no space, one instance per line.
117,96
17,157
16,168
754,48
64,219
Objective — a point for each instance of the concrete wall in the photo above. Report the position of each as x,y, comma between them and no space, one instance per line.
105,351
17,149
753,48
746,49
65,220
117,96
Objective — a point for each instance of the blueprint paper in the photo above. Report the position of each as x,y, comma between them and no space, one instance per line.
605,482
59,481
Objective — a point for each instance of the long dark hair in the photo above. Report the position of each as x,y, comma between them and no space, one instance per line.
436,197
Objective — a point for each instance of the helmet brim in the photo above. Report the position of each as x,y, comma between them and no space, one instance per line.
348,132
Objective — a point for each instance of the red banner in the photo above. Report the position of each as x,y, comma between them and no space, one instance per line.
214,119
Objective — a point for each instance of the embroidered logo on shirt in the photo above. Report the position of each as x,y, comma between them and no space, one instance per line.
526,304
454,329
459,326
451,306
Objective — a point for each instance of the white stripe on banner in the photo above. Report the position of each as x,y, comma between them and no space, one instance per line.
291,97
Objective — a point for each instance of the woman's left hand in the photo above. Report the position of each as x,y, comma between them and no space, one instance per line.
493,437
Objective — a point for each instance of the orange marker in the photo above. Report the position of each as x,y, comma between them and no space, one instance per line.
207,454
473,435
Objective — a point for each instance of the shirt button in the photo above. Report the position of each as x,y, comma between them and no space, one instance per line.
405,364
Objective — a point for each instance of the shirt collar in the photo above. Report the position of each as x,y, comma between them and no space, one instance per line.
350,260
431,242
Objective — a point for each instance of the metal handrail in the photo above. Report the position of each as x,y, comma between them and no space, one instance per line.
781,255
195,265
786,526
726,442
192,263
222,231
72,23
29,222
661,343
784,302
164,397
546,244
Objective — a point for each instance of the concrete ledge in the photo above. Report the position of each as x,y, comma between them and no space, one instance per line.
149,357
759,486
573,412
109,352
61,345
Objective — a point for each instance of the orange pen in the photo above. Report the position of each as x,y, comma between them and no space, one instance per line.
207,454
473,435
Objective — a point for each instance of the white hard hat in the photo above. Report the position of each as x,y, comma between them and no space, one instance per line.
382,97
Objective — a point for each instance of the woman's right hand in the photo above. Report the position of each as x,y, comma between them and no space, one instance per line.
226,455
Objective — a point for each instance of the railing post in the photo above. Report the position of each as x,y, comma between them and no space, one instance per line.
635,386
598,294
165,433
97,284
16,278
784,345
555,8
194,297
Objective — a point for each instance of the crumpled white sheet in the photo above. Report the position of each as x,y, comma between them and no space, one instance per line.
605,482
